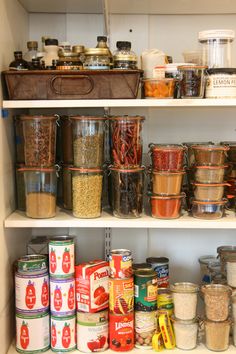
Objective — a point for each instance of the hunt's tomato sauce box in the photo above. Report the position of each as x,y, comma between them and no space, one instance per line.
91,284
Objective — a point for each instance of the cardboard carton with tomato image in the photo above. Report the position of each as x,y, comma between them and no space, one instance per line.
92,286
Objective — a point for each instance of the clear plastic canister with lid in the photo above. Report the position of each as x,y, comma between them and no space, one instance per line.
204,262
217,47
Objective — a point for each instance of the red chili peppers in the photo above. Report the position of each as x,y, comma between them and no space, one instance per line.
126,141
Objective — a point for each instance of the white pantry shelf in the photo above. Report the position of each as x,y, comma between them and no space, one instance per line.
65,219
201,349
158,103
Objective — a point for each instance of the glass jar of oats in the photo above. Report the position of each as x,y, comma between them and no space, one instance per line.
185,300
216,298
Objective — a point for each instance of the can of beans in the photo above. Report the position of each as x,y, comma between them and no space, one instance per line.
62,297
120,262
145,327
32,264
161,266
92,331
121,295
61,257
32,293
63,333
165,303
32,333
145,290
121,330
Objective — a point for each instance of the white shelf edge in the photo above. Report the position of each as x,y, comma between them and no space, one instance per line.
201,349
227,102
65,219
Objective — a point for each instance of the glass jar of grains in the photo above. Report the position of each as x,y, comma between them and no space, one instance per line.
186,333
217,335
216,298
97,59
185,300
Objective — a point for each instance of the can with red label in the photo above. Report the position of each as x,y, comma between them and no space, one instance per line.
92,331
161,267
32,333
61,257
62,297
121,329
120,261
63,333
121,295
32,293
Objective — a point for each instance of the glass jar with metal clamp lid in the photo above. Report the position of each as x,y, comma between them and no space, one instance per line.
97,59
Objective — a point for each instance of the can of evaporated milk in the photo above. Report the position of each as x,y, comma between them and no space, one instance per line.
145,290
120,262
32,333
161,266
63,333
61,257
121,295
62,297
145,327
32,293
121,331
92,331
32,264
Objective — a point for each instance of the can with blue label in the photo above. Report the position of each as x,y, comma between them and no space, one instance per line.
161,266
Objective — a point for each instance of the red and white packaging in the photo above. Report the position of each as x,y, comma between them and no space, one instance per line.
63,333
121,332
91,285
62,297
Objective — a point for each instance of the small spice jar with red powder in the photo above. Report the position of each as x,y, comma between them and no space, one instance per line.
167,157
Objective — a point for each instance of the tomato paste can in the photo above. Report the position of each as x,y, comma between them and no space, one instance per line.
121,295
145,327
62,297
145,290
120,261
61,257
31,293
63,333
32,333
161,266
32,264
92,331
121,331
165,303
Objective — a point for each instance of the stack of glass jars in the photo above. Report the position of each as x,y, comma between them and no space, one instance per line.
166,180
230,191
36,153
185,314
127,173
208,181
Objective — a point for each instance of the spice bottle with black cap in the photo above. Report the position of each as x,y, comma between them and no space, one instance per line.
19,63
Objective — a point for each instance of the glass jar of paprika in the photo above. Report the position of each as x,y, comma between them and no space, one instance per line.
167,157
166,207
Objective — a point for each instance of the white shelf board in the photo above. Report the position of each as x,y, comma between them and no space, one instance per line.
158,103
201,349
65,219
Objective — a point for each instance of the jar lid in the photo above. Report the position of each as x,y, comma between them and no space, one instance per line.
159,260
164,80
87,118
65,54
210,167
51,41
210,184
192,67
221,202
39,169
18,52
167,197
123,45
207,259
226,249
185,322
96,51
210,147
38,117
145,272
184,287
126,170
213,288
78,49
124,57
127,118
32,44
102,38
85,170
168,172
216,34
213,71
136,266
166,147
190,144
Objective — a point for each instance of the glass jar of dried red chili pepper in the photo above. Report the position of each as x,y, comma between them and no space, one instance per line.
166,157
127,192
126,141
166,207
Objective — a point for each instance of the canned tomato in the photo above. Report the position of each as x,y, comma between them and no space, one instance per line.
121,295
32,264
120,262
145,327
62,297
165,303
32,293
32,333
61,257
121,330
145,290
92,331
161,266
63,333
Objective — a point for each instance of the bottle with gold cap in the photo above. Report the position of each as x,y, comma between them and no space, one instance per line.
102,43
32,47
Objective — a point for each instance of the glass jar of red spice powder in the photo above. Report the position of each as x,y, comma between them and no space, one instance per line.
166,207
167,157
126,141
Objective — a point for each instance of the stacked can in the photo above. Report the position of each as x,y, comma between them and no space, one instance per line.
121,300
166,180
32,304
62,294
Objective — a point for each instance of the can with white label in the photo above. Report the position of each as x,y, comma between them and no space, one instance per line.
62,297
61,257
63,333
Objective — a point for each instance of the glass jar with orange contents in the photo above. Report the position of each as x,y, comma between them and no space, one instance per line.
158,88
